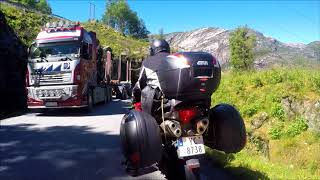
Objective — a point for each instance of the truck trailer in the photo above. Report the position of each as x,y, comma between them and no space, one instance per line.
64,68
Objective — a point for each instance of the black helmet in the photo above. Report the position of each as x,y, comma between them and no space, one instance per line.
159,45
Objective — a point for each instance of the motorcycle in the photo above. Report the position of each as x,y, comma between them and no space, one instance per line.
170,127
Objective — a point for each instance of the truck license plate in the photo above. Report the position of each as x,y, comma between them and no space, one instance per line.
51,104
190,146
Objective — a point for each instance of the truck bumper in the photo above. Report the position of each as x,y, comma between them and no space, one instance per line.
57,107
68,98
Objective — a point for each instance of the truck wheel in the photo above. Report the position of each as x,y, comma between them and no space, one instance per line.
110,94
118,93
124,94
105,98
90,101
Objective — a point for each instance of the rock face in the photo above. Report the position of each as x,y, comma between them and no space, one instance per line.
259,119
13,55
212,40
268,51
309,110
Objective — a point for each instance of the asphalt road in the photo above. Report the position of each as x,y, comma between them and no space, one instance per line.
69,144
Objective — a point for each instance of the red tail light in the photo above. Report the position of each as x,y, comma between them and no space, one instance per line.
27,77
77,74
137,106
187,114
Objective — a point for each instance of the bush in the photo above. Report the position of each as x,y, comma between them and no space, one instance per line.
40,5
137,49
293,129
316,82
26,24
250,110
278,111
274,77
276,131
296,128
256,81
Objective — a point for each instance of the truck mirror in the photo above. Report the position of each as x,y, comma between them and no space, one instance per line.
84,51
29,48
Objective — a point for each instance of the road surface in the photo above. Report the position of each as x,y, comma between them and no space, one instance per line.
68,144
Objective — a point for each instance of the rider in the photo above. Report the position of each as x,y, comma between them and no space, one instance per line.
159,50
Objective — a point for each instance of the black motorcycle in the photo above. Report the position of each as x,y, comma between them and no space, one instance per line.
170,129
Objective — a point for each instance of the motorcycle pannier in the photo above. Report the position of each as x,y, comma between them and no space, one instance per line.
226,131
140,139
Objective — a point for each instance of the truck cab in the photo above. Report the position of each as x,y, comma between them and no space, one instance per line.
62,65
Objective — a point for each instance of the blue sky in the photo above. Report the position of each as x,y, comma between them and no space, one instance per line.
287,21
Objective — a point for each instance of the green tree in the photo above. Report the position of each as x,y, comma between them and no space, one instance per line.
137,28
43,6
241,46
119,16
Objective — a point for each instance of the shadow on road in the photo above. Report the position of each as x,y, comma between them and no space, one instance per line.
115,107
68,152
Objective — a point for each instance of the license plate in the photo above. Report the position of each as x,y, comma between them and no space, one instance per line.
51,104
190,146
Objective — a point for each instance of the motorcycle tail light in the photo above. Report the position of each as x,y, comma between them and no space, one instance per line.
187,114
137,106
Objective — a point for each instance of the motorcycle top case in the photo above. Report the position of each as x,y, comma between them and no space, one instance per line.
140,139
189,76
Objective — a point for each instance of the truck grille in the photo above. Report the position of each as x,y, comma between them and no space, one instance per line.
57,78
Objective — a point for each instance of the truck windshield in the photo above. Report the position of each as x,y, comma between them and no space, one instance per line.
54,51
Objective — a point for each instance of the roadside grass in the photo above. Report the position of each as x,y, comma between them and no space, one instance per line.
244,165
253,92
282,146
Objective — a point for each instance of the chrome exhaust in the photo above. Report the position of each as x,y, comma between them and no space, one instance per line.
202,125
171,128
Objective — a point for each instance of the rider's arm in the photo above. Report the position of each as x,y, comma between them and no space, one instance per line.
141,83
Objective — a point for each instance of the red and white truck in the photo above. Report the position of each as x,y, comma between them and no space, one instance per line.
66,68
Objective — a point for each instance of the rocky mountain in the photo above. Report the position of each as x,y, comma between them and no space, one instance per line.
268,51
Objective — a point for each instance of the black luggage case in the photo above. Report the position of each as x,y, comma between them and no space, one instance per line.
189,76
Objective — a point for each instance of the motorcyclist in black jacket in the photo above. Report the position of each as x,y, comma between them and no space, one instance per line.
159,50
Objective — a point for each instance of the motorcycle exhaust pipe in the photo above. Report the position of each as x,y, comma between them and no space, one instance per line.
171,128
202,125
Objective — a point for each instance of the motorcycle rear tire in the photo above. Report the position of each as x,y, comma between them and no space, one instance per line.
174,168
